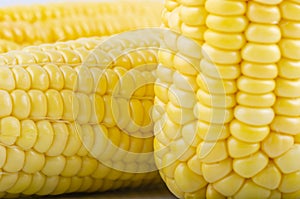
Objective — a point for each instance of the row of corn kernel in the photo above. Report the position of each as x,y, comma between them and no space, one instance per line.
216,95
34,13
50,31
175,141
284,147
110,155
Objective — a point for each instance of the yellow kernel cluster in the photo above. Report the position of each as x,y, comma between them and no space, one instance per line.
75,116
61,22
227,99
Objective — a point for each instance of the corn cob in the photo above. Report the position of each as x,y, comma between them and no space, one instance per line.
42,12
230,128
106,22
69,123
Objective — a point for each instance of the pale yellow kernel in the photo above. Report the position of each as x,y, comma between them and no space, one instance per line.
71,105
8,180
189,48
247,99
61,134
254,116
24,180
39,56
290,29
54,104
213,115
137,112
34,162
290,48
72,166
186,66
139,83
39,77
287,88
239,149
263,33
211,152
195,165
173,20
290,10
85,108
70,56
268,178
56,77
10,129
100,82
38,104
164,73
288,125
250,166
45,136
248,133
181,98
170,5
187,180
69,76
261,71
189,135
74,141
218,71
290,182
3,157
49,185
220,56
87,138
36,184
262,13
88,166
287,106
185,82
54,165
62,186
289,69
230,24
194,15
220,7
21,104
251,190
211,193
275,194
166,58
232,41
101,140
255,86
194,32
75,184
179,115
289,161
85,81
7,79
277,144
15,159
174,188
111,111
182,150
229,185
216,171
261,53
169,165
216,86
5,103
218,101
22,78
212,132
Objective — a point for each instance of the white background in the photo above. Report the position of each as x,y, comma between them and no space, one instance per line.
26,2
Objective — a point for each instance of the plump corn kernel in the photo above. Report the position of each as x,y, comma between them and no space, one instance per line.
268,178
227,24
223,168
229,185
261,13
